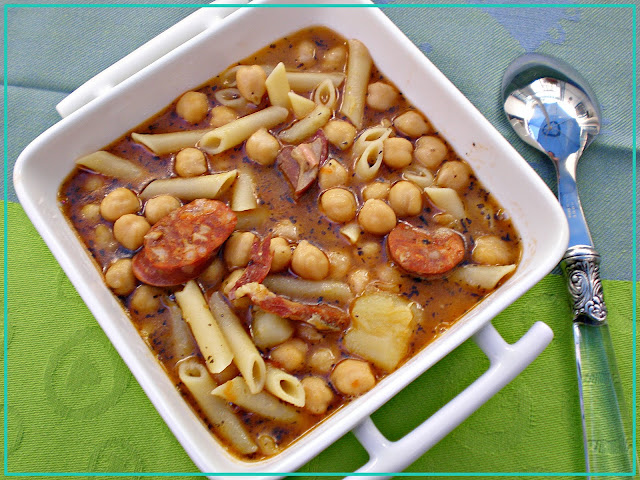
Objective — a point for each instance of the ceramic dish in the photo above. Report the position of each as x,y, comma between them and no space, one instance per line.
45,163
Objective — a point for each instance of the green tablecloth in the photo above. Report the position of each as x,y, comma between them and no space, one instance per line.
73,406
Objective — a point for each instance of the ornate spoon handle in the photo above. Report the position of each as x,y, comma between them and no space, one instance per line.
606,423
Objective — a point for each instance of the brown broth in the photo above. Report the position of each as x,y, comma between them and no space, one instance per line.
443,301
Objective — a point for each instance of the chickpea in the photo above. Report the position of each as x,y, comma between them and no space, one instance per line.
267,445
193,106
318,395
90,212
353,377
119,277
335,58
160,206
492,250
282,254
290,355
340,133
221,115
305,54
103,238
454,174
370,251
382,96
269,329
332,174
358,280
389,274
430,151
339,264
406,199
397,152
378,190
237,249
377,217
339,204
119,202
93,183
262,147
411,124
190,162
251,82
309,262
146,299
214,273
130,230
322,360
287,229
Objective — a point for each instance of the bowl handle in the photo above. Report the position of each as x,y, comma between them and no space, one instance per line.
506,362
186,29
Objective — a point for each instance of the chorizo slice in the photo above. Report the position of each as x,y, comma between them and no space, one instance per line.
179,246
422,252
300,164
258,267
323,317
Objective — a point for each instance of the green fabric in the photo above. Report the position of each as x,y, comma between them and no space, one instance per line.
75,407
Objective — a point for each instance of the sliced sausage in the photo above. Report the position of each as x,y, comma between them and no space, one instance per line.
321,316
300,164
179,246
425,252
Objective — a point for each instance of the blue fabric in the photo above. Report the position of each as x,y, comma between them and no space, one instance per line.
52,51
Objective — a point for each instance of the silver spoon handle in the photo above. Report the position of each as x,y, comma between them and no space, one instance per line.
570,201
606,422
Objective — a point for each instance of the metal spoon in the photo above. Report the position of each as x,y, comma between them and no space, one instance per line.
552,108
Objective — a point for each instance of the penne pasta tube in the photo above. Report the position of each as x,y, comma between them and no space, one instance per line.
307,126
190,188
368,136
307,81
483,277
243,197
352,231
284,386
368,164
245,354
225,422
447,200
111,165
308,289
228,136
301,106
252,218
325,94
164,143
230,97
205,328
359,66
419,175
278,87
236,391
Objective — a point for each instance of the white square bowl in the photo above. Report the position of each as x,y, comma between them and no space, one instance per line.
46,162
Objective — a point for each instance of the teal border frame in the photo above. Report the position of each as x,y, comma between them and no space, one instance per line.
634,277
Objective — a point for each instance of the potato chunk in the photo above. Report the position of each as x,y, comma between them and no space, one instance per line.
381,328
